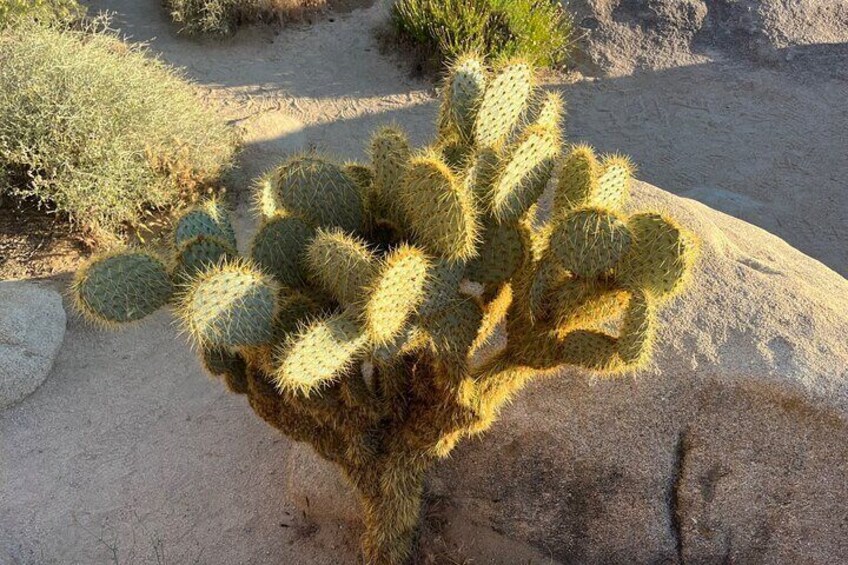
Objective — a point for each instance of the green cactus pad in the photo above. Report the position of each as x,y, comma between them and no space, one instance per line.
501,254
592,350
589,241
229,365
503,104
586,305
634,343
613,186
549,274
396,293
463,94
547,111
316,190
578,178
441,210
661,256
481,172
200,253
362,175
295,308
442,289
390,156
454,330
584,181
454,152
524,175
279,248
319,353
410,339
210,219
122,287
231,305
265,195
343,264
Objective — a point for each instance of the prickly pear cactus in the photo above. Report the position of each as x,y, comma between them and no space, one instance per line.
388,310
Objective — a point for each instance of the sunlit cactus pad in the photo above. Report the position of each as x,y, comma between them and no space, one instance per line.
388,309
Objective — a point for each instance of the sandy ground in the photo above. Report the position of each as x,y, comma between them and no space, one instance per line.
128,454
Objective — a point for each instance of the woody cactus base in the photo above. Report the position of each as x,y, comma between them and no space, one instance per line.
388,310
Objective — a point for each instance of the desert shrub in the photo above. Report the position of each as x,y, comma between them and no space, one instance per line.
538,30
99,128
12,11
222,17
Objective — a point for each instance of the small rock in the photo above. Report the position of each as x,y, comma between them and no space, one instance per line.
32,327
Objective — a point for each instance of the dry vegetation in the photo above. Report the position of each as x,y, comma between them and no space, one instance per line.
101,130
537,30
14,11
222,17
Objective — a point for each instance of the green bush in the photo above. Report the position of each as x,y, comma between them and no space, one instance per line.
100,129
538,30
12,11
222,17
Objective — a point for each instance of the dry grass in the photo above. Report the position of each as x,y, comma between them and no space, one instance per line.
15,11
222,17
101,130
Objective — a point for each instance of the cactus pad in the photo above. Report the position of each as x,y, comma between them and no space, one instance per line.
200,253
502,252
592,350
440,209
343,265
230,305
390,156
589,241
210,219
279,248
585,181
634,343
525,174
586,305
318,191
453,331
318,354
122,287
443,282
463,95
396,293
547,111
362,175
503,104
660,258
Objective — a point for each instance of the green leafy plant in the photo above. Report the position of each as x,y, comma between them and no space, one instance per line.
222,17
538,30
15,11
388,310
99,128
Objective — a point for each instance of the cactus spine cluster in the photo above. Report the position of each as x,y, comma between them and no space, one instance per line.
388,310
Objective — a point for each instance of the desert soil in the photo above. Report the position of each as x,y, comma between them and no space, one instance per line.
127,454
